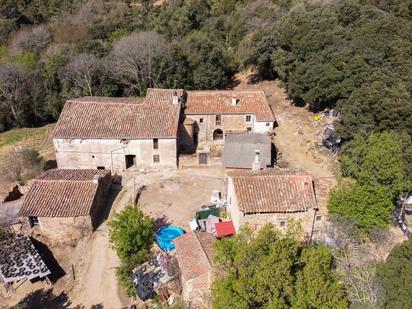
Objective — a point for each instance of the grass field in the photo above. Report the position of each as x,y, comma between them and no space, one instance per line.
37,138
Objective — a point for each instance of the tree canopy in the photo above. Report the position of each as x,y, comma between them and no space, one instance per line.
396,276
355,55
131,236
272,270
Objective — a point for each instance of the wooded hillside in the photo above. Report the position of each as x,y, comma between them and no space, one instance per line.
356,54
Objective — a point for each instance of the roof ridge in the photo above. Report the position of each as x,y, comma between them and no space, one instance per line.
203,249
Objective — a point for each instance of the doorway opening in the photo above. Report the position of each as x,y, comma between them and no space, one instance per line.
130,161
202,158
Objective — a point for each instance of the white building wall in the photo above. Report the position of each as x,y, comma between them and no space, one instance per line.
232,204
110,153
263,126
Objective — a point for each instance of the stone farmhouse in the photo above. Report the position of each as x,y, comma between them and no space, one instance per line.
213,115
65,204
274,196
151,132
118,133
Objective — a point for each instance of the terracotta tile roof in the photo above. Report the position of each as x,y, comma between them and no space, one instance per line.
191,255
273,190
62,193
120,118
220,102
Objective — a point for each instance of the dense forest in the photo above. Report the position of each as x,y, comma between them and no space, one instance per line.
353,54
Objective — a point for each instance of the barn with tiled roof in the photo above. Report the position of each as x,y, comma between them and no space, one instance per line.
119,133
66,202
274,195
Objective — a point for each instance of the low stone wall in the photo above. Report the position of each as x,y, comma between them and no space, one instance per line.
310,220
64,229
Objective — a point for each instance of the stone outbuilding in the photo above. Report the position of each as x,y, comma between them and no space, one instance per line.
194,251
64,204
274,196
119,133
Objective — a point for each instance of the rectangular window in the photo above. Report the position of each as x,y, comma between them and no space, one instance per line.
248,118
282,223
268,124
156,159
218,120
33,221
201,120
318,218
155,143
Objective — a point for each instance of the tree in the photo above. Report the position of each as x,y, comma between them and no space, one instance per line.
396,276
272,270
316,286
131,234
34,40
210,63
138,61
376,160
23,165
83,72
20,94
367,207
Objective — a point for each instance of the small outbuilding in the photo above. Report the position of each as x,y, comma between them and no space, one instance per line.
247,151
276,196
65,204
194,255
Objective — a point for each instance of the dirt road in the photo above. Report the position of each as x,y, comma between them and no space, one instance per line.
96,283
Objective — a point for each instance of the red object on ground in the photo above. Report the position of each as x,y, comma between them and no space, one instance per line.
225,228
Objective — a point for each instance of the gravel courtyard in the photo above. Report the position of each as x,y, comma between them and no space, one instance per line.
176,199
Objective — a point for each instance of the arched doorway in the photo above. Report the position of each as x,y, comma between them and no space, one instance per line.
218,135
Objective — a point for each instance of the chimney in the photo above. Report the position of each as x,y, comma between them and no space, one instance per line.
234,101
257,164
175,99
96,179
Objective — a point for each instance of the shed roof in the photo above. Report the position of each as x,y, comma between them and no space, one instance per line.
192,255
9,212
220,102
225,228
62,193
274,190
239,150
120,118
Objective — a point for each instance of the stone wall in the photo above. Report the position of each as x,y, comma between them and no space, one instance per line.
99,201
230,123
111,153
64,230
312,221
196,291
67,229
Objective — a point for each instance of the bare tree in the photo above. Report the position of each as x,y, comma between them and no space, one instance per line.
364,287
13,93
34,40
137,60
82,72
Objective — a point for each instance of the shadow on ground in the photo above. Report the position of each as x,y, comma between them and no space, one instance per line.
56,271
45,299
